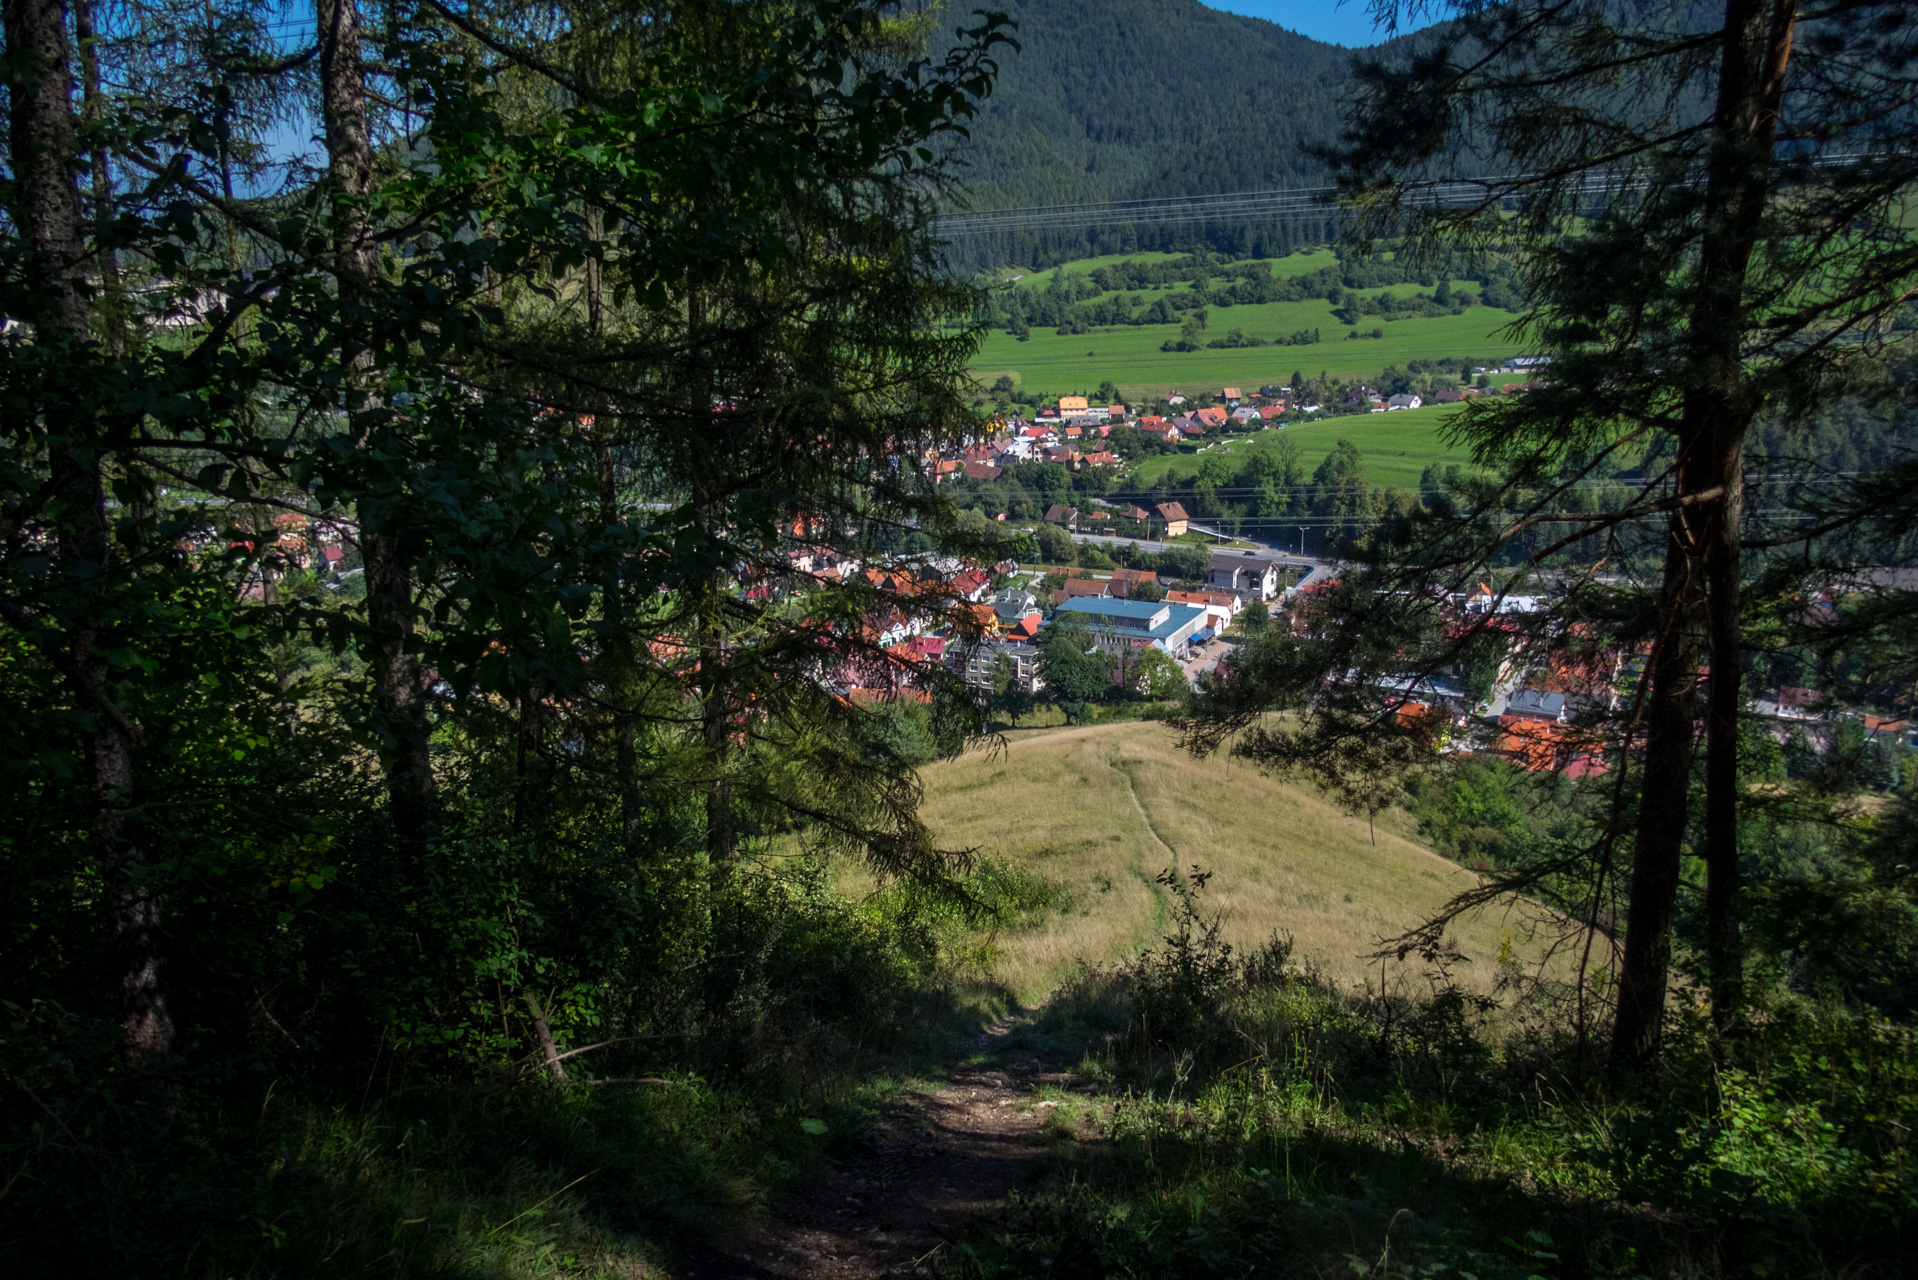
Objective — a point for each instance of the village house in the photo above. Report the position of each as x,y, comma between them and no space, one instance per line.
1212,416
1013,604
1231,396
970,585
1220,606
1058,513
1072,404
1176,520
1079,589
1542,746
1125,580
1791,703
1245,573
978,664
1403,400
1537,704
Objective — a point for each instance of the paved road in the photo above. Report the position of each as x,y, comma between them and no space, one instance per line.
1316,571
1205,660
1153,547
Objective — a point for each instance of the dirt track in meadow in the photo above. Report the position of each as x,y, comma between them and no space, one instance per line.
896,1207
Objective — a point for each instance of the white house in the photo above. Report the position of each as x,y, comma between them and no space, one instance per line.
1244,572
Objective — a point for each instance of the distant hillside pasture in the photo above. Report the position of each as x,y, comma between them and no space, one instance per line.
1103,809
1396,447
1051,364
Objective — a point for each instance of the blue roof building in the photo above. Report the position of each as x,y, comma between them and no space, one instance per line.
1135,624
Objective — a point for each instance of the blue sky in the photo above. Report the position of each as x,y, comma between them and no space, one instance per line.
1348,24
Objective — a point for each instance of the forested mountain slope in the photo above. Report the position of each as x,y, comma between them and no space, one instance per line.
1131,99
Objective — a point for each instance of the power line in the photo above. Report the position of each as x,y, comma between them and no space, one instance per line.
1249,205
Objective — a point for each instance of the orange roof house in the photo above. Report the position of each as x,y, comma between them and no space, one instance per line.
1228,600
1542,746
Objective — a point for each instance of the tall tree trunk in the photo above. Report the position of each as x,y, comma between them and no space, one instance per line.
1664,799
1718,412
398,694
100,178
715,708
47,212
1751,87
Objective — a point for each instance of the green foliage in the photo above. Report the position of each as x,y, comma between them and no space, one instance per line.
1055,544
1074,671
1254,1118
1154,673
364,855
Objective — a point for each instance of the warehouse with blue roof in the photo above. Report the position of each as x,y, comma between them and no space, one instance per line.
1118,625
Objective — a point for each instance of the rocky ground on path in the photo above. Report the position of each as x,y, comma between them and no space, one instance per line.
895,1208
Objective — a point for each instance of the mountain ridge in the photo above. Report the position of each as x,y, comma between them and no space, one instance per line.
1136,99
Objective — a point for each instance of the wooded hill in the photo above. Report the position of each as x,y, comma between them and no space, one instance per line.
1131,99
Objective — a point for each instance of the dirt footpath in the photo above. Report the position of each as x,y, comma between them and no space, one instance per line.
895,1208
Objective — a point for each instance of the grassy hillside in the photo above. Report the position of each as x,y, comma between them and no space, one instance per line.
1103,809
1051,364
1397,447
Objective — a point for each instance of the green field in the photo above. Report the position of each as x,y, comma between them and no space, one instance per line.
1397,447
1050,364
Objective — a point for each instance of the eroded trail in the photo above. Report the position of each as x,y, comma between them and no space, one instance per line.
895,1208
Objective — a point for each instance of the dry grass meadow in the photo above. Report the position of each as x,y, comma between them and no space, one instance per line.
1103,809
